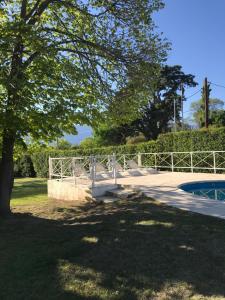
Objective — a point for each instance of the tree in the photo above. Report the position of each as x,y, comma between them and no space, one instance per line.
216,112
61,62
108,135
154,113
140,138
217,118
63,144
88,143
159,111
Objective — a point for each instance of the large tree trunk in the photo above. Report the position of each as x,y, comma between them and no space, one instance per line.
6,172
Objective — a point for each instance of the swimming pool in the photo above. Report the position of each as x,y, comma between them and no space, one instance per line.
208,189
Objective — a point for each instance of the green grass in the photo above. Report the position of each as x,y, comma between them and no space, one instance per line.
127,250
27,191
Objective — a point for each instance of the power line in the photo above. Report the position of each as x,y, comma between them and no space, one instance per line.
194,94
189,111
216,84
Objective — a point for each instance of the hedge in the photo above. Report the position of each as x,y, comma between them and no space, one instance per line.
197,140
23,167
40,159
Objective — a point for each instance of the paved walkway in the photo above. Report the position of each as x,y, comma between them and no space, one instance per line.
164,188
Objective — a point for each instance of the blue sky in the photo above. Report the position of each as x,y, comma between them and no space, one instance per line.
195,29
83,132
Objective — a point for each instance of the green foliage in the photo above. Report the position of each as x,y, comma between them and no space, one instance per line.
156,115
135,139
197,140
217,118
61,61
216,112
129,100
37,146
88,143
156,106
23,167
106,134
63,144
40,159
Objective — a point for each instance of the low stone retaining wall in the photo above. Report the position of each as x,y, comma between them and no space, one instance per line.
68,191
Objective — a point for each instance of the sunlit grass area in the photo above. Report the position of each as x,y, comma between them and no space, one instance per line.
29,190
125,250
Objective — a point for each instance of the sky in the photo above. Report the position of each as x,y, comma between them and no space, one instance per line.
195,29
83,132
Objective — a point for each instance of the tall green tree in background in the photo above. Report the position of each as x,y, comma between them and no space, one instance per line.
153,116
157,114
216,112
61,63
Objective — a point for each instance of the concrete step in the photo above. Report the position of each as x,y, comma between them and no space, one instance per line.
124,194
120,193
105,199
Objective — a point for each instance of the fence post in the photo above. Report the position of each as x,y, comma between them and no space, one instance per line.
61,169
172,165
139,160
192,170
109,163
73,170
155,155
114,168
214,161
93,170
124,162
50,167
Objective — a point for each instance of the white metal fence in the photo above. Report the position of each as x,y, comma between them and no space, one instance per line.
94,169
83,170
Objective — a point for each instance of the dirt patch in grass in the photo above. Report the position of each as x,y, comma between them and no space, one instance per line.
125,250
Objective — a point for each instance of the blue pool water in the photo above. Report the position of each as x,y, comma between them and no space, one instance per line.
208,189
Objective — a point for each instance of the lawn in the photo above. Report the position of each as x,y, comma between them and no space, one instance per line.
29,191
127,250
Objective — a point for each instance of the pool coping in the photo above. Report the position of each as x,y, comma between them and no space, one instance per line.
165,187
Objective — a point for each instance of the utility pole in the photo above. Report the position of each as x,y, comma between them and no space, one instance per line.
206,91
182,104
174,113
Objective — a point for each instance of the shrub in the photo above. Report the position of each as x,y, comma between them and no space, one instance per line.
183,141
89,142
23,167
135,139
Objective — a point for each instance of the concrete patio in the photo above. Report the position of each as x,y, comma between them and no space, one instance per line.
164,187
83,178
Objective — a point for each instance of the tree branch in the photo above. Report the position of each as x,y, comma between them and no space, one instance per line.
115,53
39,10
71,5
23,11
30,59
29,15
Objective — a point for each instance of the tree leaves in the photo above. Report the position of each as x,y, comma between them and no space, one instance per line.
63,61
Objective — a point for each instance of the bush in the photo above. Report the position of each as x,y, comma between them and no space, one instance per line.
23,167
135,139
89,142
183,141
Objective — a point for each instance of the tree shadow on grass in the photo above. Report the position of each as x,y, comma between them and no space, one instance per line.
125,250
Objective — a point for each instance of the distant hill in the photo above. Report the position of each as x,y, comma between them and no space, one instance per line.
83,132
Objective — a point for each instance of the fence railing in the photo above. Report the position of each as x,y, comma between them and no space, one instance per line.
83,170
94,169
213,161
